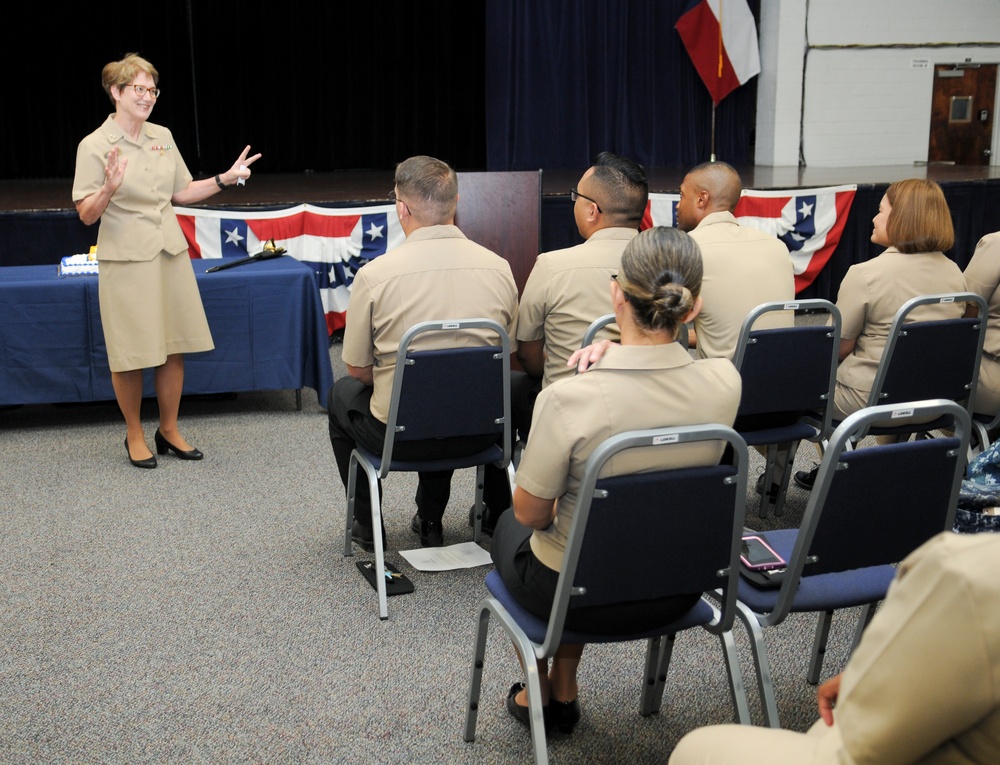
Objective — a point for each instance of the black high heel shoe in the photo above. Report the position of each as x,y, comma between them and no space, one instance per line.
522,714
163,446
148,463
564,715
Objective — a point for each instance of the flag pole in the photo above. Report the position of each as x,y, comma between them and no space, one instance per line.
712,157
721,48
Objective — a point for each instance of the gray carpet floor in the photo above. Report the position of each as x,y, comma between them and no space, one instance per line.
203,612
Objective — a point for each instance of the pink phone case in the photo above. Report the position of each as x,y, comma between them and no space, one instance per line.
777,563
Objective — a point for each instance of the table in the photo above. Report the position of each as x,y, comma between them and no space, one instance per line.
266,319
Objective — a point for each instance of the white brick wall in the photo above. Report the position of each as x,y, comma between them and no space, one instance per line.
868,105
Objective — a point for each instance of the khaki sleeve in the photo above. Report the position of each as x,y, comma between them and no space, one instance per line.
982,275
854,301
532,310
917,679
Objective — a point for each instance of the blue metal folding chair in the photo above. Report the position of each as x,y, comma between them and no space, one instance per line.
462,390
632,539
869,509
788,374
928,360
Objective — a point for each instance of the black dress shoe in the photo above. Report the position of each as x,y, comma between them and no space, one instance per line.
806,478
564,715
163,446
489,522
521,714
148,463
362,536
431,533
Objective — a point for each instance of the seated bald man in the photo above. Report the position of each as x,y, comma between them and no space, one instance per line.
744,266
923,686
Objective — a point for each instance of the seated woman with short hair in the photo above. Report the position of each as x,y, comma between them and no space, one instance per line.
914,223
647,381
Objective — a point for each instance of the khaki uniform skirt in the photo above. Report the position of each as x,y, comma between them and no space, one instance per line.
150,310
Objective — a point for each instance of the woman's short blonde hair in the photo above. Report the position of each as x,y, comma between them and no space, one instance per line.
920,220
118,74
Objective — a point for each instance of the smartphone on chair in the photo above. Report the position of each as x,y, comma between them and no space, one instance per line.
758,555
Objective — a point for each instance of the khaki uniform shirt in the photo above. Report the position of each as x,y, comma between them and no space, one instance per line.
923,686
744,267
872,292
435,274
566,290
631,387
982,276
139,222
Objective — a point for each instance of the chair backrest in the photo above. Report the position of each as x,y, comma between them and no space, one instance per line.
789,369
452,391
931,359
647,535
609,318
874,505
596,326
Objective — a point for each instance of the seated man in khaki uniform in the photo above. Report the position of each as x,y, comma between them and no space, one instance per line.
744,267
922,687
435,274
566,290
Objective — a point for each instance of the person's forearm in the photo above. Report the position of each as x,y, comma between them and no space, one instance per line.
533,512
531,355
90,209
198,191
365,375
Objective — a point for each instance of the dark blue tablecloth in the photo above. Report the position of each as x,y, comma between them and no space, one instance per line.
266,319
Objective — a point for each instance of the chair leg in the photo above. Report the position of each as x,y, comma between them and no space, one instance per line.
765,500
734,674
819,646
529,661
539,745
867,612
762,667
477,508
352,489
658,652
779,507
376,508
476,680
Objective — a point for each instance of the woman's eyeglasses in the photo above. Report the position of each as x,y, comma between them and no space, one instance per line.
141,90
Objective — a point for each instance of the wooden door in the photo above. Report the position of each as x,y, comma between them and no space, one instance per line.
962,113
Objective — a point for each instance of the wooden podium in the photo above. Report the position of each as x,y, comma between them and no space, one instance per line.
503,212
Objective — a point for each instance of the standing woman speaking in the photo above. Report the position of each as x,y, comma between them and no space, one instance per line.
128,174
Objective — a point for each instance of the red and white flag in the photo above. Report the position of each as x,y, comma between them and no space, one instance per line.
721,38
809,221
334,241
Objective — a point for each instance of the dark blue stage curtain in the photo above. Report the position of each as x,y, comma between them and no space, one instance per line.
567,79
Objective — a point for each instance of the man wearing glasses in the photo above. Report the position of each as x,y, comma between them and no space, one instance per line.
437,273
567,289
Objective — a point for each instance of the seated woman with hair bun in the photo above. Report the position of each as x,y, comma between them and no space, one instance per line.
648,381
